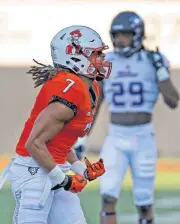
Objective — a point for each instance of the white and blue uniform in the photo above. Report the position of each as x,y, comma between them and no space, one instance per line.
132,87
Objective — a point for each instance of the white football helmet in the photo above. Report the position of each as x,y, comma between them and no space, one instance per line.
72,48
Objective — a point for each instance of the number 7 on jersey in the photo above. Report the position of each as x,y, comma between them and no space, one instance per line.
71,83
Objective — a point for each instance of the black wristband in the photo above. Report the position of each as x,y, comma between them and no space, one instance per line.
68,183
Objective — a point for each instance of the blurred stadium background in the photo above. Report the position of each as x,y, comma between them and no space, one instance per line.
26,29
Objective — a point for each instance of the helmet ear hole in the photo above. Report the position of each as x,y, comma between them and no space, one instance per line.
76,69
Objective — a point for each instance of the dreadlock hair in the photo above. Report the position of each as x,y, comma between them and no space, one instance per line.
42,73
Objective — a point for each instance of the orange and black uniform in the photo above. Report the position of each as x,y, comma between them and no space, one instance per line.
70,90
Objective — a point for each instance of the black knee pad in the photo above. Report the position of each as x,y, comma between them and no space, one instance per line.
144,221
108,199
144,209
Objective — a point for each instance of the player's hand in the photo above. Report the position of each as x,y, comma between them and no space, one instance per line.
156,59
73,183
94,170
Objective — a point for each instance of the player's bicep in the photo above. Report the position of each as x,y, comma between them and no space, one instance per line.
50,122
169,92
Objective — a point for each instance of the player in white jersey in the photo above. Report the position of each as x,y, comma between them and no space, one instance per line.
138,76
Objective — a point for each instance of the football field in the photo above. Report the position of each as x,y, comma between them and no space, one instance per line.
167,205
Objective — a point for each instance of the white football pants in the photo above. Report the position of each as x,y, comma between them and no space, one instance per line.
35,202
133,147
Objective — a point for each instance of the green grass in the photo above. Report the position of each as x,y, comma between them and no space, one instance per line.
167,187
91,203
7,205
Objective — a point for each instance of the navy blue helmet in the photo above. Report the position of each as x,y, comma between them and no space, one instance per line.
128,22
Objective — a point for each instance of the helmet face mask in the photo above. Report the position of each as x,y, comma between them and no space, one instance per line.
128,22
77,48
97,67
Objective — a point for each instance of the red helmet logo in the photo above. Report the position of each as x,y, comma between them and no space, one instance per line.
74,38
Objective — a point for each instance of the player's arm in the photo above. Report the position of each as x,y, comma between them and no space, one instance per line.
47,125
72,158
169,93
166,87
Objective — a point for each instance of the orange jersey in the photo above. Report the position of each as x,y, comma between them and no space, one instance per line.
70,90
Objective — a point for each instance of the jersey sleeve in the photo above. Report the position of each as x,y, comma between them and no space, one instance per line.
68,92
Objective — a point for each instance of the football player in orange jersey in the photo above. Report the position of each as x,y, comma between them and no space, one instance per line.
63,111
